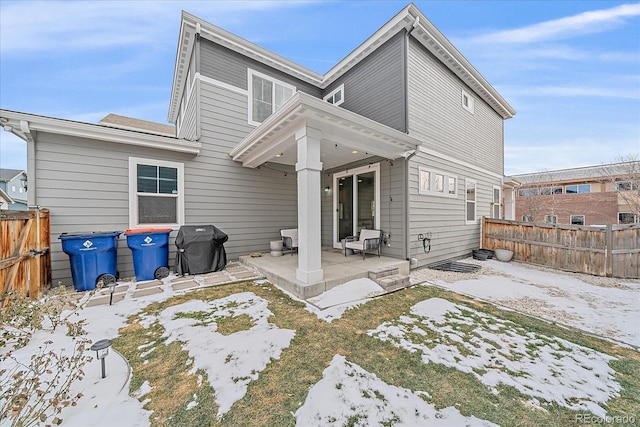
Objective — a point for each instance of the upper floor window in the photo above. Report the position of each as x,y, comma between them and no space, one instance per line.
336,96
626,185
548,191
578,189
467,101
528,192
156,192
266,95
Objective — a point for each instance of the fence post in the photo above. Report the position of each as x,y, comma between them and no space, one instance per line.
608,255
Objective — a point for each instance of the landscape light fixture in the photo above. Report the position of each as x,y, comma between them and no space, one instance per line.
102,350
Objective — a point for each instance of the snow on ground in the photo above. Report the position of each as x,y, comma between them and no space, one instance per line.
606,307
498,351
230,361
332,304
349,394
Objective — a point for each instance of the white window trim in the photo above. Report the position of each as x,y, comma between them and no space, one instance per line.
467,181
551,219
471,102
133,193
584,220
432,175
250,74
635,217
333,92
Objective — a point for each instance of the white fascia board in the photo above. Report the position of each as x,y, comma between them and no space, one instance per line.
99,132
186,40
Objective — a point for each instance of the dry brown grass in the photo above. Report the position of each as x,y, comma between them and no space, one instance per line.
283,385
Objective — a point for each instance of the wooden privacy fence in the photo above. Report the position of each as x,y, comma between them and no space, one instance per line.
25,260
612,250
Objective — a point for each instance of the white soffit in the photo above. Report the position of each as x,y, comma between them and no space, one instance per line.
340,131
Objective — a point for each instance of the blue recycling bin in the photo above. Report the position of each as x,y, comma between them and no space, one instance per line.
150,250
92,256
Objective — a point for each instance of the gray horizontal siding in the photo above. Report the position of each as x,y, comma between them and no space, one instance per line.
375,87
437,117
85,184
229,67
444,217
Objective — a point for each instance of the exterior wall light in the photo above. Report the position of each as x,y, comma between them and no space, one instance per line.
102,351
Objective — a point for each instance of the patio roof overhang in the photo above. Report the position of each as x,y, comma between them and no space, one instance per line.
344,136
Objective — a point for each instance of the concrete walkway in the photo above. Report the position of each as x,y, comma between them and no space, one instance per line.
234,272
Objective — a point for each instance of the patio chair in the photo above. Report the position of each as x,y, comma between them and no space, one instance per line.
369,240
289,239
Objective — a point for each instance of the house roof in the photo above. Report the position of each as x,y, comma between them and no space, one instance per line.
582,173
344,136
22,125
410,19
130,123
4,196
7,175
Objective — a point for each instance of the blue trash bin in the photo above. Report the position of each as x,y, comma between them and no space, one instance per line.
150,250
92,256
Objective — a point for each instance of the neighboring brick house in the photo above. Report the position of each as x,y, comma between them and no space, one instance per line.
594,195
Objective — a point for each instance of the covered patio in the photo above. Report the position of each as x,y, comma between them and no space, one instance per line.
338,269
314,135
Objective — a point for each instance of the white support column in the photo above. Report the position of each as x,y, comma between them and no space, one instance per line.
309,169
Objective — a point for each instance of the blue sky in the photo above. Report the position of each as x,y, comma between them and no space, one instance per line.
571,69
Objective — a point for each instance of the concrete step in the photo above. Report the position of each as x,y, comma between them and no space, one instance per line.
394,282
381,272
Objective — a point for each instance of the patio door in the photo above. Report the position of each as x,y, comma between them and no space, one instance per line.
356,201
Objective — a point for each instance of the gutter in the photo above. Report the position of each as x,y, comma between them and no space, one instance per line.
407,220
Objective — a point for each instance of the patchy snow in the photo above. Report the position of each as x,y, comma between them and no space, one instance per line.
230,361
606,307
347,393
498,351
332,304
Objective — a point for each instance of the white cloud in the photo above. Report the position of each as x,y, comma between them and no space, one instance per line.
13,151
44,26
565,91
584,23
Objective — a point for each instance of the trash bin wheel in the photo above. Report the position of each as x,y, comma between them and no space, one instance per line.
161,273
106,279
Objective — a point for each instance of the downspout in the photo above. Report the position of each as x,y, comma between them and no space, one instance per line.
407,160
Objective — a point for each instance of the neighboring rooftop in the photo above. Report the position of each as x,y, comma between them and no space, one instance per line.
581,173
7,175
129,123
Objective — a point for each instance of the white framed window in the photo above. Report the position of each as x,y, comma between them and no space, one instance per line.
496,202
437,183
156,193
467,101
627,218
551,219
266,95
527,218
470,201
626,185
578,189
336,96
13,188
577,219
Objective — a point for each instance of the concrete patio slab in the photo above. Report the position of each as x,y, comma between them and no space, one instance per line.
338,269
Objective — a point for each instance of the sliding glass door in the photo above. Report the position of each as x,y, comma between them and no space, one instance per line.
356,199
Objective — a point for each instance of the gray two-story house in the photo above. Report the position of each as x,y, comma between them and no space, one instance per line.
403,135
13,189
